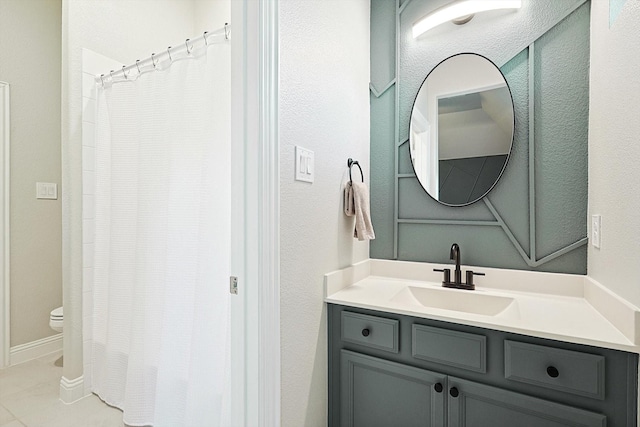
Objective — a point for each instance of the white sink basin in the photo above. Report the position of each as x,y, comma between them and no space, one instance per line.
562,307
454,300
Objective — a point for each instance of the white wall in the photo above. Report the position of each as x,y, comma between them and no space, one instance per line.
126,30
324,106
614,148
30,43
211,15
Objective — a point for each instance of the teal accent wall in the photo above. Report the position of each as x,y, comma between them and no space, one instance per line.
536,216
615,7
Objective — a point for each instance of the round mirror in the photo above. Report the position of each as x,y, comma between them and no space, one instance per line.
461,129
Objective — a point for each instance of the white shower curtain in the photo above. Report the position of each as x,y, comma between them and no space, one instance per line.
161,346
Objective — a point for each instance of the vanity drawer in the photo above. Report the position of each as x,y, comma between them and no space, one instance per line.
370,331
568,371
452,348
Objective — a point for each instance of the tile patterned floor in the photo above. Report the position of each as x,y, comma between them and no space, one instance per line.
29,397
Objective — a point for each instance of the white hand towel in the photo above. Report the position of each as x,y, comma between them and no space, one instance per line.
349,209
364,228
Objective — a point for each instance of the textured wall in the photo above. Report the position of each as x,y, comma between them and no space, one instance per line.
324,106
614,151
560,86
124,30
211,15
30,44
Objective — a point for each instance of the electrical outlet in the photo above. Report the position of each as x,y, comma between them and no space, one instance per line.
596,230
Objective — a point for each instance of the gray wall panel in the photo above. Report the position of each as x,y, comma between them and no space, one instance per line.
383,51
509,196
383,28
412,207
571,262
484,245
382,173
404,159
561,125
559,32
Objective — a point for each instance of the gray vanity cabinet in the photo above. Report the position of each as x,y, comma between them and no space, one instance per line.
391,370
379,393
478,405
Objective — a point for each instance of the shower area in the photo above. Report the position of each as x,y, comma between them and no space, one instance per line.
158,236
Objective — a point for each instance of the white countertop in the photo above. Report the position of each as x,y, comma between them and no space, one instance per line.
564,307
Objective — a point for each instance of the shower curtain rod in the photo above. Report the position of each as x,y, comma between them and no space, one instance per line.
133,71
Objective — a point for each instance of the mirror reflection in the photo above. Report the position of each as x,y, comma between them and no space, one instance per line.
461,129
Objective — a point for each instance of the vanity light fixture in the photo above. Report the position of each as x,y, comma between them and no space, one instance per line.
460,9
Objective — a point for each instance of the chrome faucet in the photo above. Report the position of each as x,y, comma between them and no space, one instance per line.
454,254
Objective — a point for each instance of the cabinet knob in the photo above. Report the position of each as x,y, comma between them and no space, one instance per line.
552,371
454,392
366,332
438,388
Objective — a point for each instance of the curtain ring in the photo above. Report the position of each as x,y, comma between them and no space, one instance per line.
138,67
169,52
204,35
102,80
226,31
189,48
124,73
111,74
153,61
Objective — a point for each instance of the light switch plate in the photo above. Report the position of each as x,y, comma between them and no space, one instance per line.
596,230
46,190
304,164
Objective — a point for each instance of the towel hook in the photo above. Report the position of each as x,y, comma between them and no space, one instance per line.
351,162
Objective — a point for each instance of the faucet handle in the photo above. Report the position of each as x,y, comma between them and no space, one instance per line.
470,274
447,274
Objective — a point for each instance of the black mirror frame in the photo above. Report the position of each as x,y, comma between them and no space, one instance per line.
513,134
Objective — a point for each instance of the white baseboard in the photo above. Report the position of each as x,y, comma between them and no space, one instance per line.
72,390
34,349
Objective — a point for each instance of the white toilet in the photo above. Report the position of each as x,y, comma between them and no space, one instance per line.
56,319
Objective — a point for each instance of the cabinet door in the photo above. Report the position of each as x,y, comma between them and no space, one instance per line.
475,405
375,392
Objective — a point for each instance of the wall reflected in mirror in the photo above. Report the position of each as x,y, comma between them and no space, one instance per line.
461,129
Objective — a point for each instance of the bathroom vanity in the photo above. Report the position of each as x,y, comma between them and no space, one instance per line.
398,360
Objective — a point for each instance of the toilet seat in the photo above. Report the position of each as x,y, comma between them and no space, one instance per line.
57,313
56,319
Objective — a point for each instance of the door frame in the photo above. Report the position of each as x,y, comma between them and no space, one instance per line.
5,134
254,122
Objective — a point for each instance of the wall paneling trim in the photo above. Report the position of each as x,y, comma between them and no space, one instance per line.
535,217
